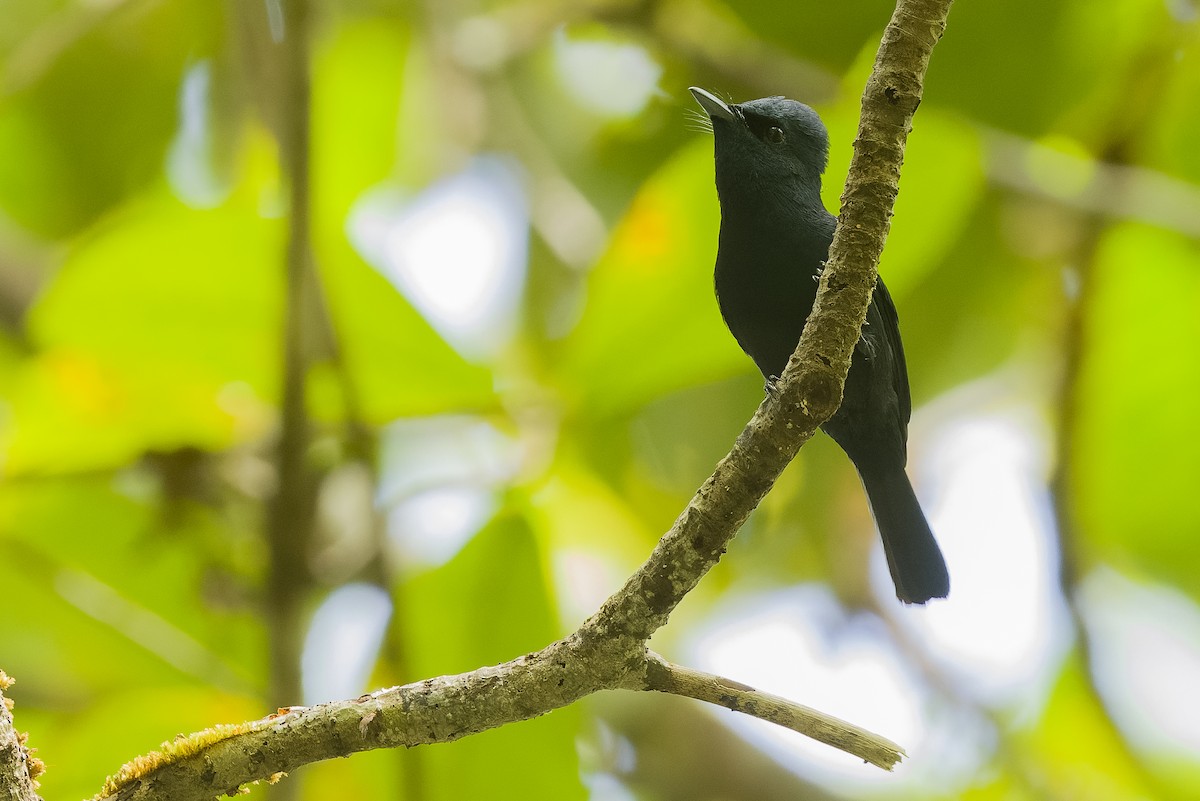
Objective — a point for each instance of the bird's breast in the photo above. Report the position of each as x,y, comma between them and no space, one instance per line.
765,289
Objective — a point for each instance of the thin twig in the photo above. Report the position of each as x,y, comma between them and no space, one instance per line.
662,676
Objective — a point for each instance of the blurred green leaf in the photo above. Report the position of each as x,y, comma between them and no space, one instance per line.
148,715
1170,143
399,366
1079,752
1135,445
824,32
90,106
358,76
487,605
161,329
74,540
651,323
981,72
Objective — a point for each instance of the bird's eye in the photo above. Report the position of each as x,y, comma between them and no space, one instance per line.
774,134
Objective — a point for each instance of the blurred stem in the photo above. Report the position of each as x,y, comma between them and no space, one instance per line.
291,512
19,286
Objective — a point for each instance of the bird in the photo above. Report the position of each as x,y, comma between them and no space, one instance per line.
774,240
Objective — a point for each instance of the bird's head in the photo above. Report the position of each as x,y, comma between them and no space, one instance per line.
763,142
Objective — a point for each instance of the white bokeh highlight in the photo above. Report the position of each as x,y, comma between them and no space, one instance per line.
801,644
457,250
613,79
1004,629
439,480
189,161
981,472
343,642
428,528
1145,642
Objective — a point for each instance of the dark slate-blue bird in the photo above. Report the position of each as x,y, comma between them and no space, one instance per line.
775,237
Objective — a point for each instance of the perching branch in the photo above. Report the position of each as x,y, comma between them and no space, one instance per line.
815,376
609,650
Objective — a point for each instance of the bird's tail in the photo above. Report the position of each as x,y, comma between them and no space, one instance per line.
913,556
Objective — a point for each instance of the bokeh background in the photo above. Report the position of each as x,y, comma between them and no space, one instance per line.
343,344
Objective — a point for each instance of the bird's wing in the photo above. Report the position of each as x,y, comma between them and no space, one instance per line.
891,326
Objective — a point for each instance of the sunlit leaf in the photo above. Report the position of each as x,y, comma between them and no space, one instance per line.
147,332
1080,750
90,114
49,531
651,323
975,71
1135,456
825,33
148,715
397,364
490,604
940,186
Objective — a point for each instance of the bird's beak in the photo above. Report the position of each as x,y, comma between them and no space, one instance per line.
715,107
